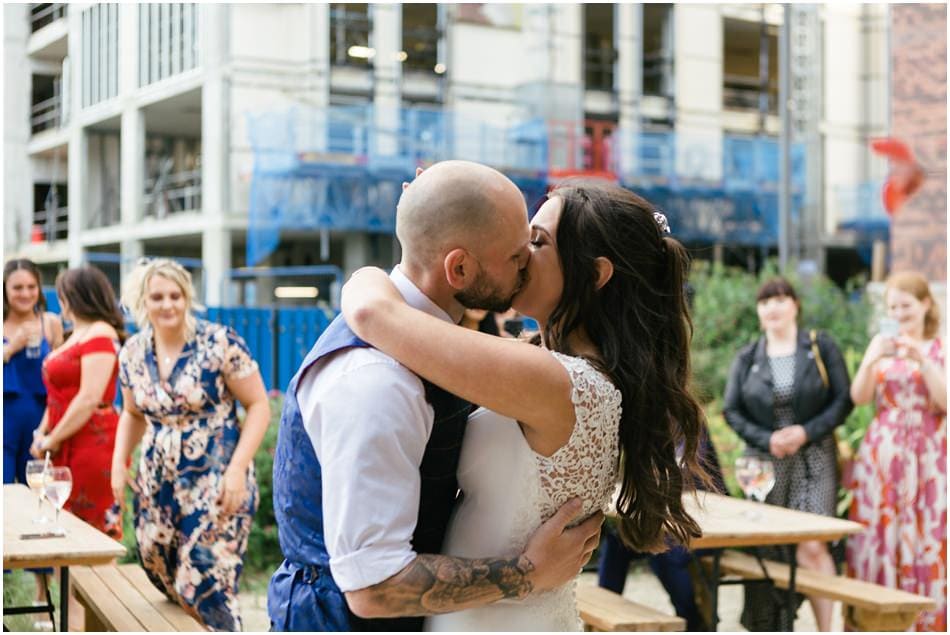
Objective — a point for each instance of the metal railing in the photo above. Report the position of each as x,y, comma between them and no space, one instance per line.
45,13
50,225
599,68
173,193
47,114
741,92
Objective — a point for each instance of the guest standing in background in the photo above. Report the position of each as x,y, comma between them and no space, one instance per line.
196,493
79,426
786,394
29,334
899,478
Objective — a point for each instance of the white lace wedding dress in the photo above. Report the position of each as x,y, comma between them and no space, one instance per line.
510,490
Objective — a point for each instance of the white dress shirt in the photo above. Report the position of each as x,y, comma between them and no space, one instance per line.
369,422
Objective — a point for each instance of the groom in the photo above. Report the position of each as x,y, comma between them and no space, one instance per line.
364,471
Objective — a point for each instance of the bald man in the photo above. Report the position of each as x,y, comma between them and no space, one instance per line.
364,471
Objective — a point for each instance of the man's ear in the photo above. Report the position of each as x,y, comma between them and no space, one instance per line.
605,269
459,268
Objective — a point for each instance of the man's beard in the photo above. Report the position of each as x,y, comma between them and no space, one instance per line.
482,295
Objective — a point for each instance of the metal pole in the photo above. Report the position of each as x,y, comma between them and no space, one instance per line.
784,60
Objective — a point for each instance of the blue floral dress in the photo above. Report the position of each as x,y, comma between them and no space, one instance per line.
189,553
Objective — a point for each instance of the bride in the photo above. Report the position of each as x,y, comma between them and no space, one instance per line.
604,397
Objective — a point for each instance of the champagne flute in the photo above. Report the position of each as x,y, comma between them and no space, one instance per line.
37,478
756,477
58,491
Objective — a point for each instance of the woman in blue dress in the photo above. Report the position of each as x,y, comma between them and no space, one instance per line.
29,334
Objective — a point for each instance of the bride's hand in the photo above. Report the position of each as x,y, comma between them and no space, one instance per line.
557,552
368,292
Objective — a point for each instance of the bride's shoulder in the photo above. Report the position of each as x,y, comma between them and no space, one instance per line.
588,380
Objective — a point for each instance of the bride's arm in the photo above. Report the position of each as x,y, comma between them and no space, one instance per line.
517,380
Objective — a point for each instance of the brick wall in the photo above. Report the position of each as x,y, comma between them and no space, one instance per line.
919,117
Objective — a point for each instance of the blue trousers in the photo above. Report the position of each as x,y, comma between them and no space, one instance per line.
669,567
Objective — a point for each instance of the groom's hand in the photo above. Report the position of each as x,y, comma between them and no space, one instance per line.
558,552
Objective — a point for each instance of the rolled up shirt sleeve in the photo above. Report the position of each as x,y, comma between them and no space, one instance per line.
369,423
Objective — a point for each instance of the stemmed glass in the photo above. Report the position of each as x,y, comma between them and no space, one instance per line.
37,478
58,490
756,477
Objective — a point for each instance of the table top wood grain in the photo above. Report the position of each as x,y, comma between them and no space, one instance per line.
83,544
734,522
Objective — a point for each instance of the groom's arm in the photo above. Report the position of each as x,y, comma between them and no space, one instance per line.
433,584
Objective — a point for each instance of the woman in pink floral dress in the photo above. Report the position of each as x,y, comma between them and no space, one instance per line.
900,477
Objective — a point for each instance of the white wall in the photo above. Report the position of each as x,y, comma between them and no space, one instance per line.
855,104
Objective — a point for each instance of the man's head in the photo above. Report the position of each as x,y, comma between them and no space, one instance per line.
468,222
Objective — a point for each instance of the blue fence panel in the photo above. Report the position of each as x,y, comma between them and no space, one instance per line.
297,330
256,326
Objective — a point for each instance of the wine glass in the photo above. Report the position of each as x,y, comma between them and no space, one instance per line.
58,490
756,477
37,478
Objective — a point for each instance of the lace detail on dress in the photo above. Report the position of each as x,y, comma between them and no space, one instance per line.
588,464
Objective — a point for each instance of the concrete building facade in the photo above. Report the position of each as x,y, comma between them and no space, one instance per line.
136,130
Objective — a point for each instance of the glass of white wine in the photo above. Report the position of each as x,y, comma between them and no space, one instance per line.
37,478
58,490
756,477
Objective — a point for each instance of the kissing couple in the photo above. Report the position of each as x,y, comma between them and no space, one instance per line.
431,477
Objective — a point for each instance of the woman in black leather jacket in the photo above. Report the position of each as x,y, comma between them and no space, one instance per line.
786,393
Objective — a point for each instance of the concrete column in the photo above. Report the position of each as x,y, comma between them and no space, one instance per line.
356,252
78,160
215,150
318,78
629,30
78,179
698,63
17,176
387,76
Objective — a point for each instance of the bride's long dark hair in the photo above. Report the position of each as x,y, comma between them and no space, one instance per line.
640,322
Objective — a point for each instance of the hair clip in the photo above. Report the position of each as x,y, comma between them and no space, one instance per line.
661,222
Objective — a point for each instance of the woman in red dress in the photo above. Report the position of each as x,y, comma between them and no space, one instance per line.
79,426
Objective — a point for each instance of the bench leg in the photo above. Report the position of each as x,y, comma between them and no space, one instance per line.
859,619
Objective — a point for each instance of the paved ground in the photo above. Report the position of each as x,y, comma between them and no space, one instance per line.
641,587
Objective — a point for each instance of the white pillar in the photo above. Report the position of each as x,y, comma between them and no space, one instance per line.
78,170
215,150
78,160
629,30
698,63
355,252
387,76
132,137
17,175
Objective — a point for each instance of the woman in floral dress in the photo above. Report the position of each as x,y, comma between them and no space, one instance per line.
900,478
196,493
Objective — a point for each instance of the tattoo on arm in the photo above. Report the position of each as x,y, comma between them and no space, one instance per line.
433,584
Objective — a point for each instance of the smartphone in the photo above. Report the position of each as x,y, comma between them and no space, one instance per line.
888,327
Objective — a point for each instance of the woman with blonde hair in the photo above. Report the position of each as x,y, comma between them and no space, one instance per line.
195,491
899,478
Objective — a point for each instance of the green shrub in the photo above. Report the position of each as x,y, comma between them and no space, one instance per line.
263,550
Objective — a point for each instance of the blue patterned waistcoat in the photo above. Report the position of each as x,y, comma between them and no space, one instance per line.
302,595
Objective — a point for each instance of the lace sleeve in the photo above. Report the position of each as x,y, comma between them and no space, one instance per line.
586,466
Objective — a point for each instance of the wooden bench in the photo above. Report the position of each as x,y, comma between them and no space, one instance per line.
867,606
121,598
604,610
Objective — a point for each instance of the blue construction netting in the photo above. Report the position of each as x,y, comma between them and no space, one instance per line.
342,167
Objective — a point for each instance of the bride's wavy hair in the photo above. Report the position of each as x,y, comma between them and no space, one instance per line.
641,324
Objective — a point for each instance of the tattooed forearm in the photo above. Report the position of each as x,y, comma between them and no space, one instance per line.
433,584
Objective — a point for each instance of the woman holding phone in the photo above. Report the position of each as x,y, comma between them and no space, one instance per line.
900,478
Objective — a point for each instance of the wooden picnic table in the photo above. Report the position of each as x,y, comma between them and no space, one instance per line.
729,522
83,544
